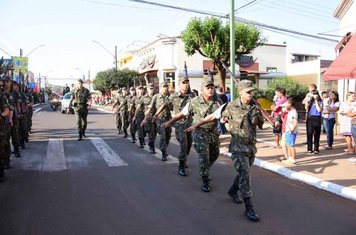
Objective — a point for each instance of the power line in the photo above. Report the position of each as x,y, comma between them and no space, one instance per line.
237,18
246,5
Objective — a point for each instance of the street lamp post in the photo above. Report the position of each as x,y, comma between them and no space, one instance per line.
113,55
42,45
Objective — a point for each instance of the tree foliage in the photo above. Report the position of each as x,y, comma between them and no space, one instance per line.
211,38
113,79
293,88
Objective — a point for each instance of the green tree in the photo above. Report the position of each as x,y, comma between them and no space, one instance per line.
211,38
293,88
112,79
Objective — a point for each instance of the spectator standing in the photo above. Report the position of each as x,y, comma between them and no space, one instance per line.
277,110
314,108
325,98
352,114
329,109
345,121
228,94
291,131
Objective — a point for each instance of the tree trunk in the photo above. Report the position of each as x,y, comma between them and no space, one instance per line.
222,73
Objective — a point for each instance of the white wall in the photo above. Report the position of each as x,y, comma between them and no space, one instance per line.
271,56
348,21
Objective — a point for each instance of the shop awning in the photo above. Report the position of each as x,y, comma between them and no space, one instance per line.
344,66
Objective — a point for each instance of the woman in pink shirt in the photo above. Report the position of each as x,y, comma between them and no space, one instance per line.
277,110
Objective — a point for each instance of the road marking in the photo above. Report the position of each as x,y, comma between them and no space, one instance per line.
170,158
55,159
111,158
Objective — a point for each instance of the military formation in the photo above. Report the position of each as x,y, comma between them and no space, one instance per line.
15,121
195,121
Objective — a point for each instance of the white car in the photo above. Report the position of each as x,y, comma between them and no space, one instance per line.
65,103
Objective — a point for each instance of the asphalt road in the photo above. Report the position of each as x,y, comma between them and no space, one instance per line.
107,185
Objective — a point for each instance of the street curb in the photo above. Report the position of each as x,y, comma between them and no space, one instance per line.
342,191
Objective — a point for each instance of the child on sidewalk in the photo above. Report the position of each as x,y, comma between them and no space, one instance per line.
291,132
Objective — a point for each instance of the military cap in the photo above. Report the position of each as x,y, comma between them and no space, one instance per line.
245,85
124,89
182,79
140,87
132,88
164,83
81,81
207,82
15,83
150,85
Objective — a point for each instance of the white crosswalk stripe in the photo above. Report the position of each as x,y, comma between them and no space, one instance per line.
110,157
55,159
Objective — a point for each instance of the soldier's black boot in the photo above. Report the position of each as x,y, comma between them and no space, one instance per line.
141,142
233,192
181,169
206,187
125,134
164,156
2,174
250,213
17,153
133,138
7,164
152,147
80,136
83,133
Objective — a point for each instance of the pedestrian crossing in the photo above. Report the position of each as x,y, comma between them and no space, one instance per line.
60,154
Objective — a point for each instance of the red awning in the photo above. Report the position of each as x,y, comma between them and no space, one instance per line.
344,66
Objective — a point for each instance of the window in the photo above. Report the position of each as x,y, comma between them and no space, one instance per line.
271,69
170,79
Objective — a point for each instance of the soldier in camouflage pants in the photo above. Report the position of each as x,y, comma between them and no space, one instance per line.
162,116
242,117
139,115
177,101
5,112
205,137
149,128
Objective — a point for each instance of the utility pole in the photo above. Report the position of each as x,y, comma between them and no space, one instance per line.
89,78
232,49
116,57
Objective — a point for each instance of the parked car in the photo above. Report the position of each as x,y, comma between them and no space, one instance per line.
65,103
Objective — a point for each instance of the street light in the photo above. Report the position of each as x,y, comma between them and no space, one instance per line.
113,55
42,45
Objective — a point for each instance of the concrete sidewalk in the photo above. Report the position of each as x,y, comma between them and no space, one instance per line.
330,170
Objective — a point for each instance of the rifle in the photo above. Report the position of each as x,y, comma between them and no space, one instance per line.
186,75
264,113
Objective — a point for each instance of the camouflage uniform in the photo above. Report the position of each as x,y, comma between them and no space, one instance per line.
242,122
140,115
80,98
150,128
3,135
118,121
30,110
157,101
23,130
131,102
206,137
177,102
12,98
123,114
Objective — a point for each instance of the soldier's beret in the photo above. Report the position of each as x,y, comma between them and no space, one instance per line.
183,79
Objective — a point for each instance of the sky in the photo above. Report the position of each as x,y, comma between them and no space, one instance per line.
67,28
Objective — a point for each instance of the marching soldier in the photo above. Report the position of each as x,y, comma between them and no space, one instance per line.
4,114
139,115
122,111
82,102
131,102
149,128
242,117
24,120
13,97
165,132
116,102
205,137
176,102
